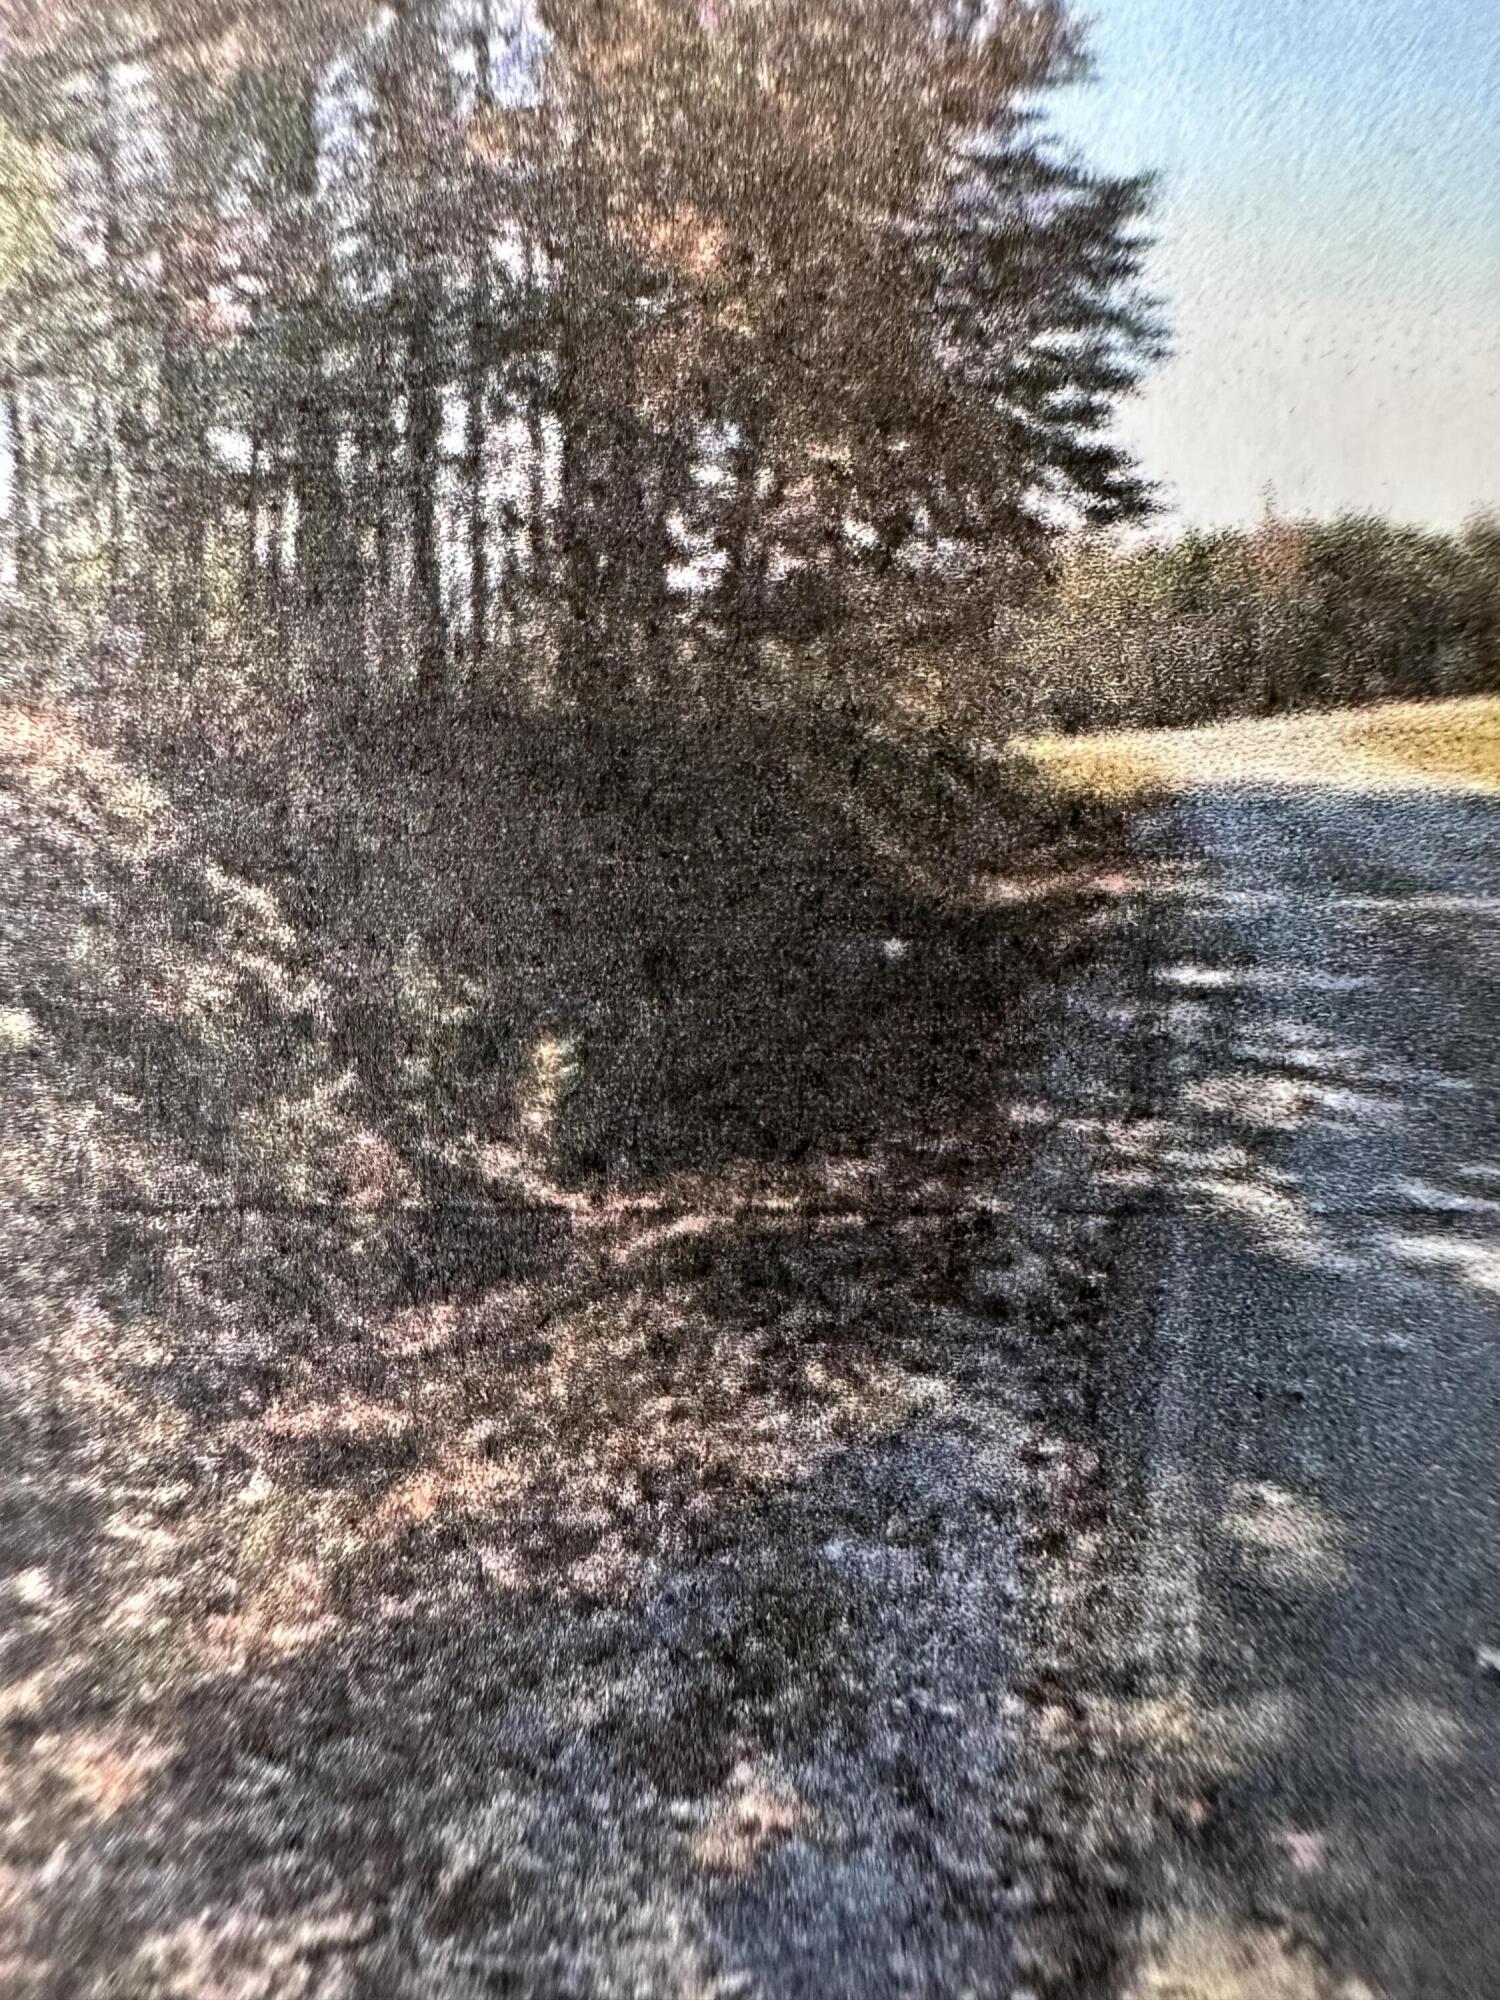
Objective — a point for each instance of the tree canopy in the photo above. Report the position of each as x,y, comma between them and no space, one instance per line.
557,341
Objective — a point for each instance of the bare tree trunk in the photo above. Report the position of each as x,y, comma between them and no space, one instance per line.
476,421
538,526
744,575
582,455
21,527
383,573
422,421
479,571
538,534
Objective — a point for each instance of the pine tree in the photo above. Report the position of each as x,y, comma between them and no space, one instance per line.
1037,265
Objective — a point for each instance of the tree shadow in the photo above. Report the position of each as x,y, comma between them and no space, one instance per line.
510,1330
1321,1458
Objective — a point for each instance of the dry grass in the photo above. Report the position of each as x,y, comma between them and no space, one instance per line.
1398,745
1112,769
1215,1960
1436,737
485,1234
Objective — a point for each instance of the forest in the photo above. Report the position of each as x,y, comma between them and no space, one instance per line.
429,347
362,352
1289,615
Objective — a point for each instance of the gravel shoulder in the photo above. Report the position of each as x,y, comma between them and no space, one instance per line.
1321,1387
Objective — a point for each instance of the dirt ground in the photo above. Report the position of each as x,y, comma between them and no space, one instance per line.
550,1389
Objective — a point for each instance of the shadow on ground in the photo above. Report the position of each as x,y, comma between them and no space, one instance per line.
495,1491
1314,1410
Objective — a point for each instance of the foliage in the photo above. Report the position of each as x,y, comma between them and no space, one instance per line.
1287,615
560,351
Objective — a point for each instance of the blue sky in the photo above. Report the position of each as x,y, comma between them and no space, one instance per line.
1329,225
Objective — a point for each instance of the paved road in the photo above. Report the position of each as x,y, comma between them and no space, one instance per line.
1320,1187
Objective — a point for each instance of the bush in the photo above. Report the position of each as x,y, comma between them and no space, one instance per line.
1288,615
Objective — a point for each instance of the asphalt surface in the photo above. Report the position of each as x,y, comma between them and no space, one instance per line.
1316,1392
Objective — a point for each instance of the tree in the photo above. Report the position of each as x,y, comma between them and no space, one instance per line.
1037,267
794,290
882,306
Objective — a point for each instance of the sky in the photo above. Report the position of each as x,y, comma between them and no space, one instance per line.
1328,228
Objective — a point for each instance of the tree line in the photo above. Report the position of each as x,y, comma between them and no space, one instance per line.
1287,615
